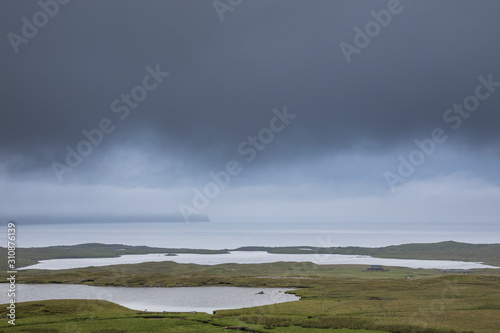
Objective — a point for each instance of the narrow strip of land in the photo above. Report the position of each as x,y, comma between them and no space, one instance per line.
486,253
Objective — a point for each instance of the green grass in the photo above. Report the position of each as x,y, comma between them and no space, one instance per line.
89,316
331,298
334,298
444,304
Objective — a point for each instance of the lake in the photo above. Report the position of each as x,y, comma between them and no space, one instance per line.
254,257
181,299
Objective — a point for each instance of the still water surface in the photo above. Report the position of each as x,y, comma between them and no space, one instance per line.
181,299
254,257
230,235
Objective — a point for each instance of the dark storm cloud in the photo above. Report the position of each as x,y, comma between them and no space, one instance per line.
226,77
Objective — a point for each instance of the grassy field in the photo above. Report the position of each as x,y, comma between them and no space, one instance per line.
438,305
334,298
87,316
171,274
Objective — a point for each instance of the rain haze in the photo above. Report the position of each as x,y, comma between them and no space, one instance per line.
342,111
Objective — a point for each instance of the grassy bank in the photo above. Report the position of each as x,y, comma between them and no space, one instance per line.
87,316
487,253
334,298
32,255
171,274
433,304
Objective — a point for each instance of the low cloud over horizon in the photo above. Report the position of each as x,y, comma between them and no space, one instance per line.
256,112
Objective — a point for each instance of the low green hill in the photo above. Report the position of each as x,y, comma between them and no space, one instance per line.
487,253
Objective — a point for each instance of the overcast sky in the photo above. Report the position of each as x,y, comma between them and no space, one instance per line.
318,118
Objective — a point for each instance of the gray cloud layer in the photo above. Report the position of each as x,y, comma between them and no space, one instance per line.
225,78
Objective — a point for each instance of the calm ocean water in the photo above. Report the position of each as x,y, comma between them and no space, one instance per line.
229,235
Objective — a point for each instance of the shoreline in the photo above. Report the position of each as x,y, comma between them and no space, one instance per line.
489,254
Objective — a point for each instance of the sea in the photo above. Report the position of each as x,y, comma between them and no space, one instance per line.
235,234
